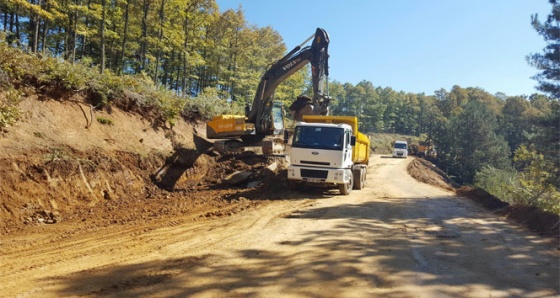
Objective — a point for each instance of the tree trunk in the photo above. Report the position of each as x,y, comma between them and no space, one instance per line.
44,37
144,35
184,75
17,31
36,31
160,37
57,45
125,36
31,29
67,45
178,74
5,21
12,21
102,66
45,31
83,51
75,33
113,54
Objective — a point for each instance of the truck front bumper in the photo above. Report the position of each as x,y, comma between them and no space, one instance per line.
319,175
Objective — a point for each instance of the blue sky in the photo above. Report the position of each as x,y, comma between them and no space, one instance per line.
416,46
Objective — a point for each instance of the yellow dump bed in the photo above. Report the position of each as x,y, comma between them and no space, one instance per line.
360,154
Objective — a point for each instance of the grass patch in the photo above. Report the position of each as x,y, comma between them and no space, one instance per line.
39,134
105,121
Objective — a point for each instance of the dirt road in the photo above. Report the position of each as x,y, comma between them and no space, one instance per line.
395,238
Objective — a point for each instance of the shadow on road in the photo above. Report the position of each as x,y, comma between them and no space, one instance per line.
373,246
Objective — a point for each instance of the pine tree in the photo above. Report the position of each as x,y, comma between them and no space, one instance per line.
549,61
474,142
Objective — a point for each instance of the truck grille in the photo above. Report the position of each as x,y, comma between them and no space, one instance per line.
314,174
319,163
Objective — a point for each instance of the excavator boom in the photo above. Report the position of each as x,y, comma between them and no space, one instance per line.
265,118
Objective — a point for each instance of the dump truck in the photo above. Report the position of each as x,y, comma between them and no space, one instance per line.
328,151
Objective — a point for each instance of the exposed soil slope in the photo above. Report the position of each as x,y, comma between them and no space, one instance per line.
59,164
395,238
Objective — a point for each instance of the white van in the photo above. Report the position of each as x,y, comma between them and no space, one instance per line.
400,149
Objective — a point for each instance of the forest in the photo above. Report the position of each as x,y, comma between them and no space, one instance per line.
186,58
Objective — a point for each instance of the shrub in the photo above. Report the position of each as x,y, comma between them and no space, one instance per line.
64,74
517,188
136,93
503,184
208,104
9,100
104,121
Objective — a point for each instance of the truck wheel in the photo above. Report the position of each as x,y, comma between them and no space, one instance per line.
346,188
358,179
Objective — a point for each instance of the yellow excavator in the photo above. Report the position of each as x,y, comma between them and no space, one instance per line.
263,123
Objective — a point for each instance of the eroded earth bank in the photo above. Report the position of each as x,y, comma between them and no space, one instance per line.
129,210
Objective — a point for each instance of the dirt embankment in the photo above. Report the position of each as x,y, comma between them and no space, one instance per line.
60,164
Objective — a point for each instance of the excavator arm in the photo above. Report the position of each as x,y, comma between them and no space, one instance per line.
265,118
317,54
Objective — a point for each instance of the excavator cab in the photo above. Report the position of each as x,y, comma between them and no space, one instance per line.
278,117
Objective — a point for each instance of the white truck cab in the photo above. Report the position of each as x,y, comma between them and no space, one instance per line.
329,151
321,153
400,149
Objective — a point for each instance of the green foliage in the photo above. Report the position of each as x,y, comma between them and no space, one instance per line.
535,179
9,112
16,64
503,184
208,104
131,93
64,74
39,134
470,142
105,121
549,61
528,186
515,121
169,106
9,100
547,140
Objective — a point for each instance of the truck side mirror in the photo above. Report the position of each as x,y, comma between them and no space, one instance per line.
353,140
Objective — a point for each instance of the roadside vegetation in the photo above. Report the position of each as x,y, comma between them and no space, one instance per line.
176,60
21,72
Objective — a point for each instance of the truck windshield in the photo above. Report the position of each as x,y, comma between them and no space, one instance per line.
330,138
